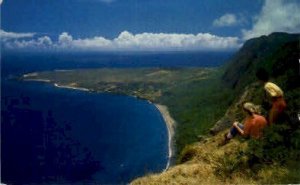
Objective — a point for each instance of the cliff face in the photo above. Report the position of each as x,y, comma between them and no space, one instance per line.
278,53
241,161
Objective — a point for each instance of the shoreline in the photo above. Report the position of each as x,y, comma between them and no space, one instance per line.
38,80
70,87
170,123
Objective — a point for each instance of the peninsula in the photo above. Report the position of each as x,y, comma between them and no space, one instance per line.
165,87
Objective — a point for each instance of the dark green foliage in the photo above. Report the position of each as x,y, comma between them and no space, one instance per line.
279,146
281,141
196,106
187,154
278,53
273,147
229,164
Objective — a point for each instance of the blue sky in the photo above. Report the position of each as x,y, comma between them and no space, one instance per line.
129,24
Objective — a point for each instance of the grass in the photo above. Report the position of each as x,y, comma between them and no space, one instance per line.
197,106
207,163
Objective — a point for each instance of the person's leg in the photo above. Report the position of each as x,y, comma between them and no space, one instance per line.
233,132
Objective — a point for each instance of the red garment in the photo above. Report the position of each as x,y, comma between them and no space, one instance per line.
278,105
253,126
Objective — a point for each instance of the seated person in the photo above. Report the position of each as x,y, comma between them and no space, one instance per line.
253,124
274,94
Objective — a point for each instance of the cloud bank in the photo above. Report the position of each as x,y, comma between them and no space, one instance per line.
276,16
127,41
226,20
11,35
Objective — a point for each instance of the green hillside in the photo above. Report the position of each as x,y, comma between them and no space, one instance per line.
278,53
274,159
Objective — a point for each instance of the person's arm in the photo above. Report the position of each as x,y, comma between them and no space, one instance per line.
244,132
235,124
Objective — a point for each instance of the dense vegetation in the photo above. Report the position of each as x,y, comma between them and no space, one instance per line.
278,54
196,106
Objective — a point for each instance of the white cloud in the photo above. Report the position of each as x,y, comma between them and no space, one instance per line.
12,35
40,43
226,20
65,40
163,41
127,41
1,2
96,43
276,16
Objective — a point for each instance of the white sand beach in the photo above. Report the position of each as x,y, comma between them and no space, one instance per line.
171,124
70,87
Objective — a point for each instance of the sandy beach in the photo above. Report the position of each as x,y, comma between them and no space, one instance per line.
71,87
30,75
55,84
171,124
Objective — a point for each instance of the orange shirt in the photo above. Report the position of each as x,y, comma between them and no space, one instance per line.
253,126
278,104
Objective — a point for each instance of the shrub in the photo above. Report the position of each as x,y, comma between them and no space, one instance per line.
280,142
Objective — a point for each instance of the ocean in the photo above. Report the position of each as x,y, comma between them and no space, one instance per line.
53,135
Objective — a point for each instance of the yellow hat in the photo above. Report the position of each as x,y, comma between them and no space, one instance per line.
251,107
273,90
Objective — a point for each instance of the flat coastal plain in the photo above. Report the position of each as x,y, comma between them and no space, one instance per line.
157,85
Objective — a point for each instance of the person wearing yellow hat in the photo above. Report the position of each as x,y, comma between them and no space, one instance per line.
253,124
274,93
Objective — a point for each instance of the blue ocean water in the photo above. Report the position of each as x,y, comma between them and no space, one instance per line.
54,135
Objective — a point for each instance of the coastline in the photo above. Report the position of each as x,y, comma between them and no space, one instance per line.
71,87
38,80
170,123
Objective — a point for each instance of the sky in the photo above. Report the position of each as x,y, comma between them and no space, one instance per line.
105,25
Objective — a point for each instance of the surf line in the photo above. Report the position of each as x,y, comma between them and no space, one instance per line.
171,124
71,87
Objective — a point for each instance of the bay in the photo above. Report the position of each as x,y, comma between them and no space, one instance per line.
53,135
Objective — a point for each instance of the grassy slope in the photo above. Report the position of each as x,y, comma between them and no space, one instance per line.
206,163
196,106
